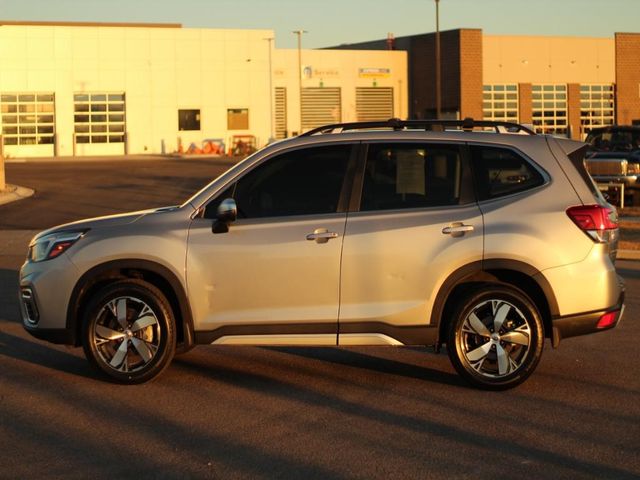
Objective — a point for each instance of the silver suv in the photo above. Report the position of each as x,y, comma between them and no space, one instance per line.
383,233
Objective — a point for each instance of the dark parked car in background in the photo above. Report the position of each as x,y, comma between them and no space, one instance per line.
614,158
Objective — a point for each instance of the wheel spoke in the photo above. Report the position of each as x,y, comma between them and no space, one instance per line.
479,352
514,336
504,364
121,312
146,350
144,321
500,315
107,333
120,356
478,327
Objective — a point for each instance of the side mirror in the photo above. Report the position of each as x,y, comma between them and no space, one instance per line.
226,214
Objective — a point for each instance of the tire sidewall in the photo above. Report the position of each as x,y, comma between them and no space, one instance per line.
454,341
160,306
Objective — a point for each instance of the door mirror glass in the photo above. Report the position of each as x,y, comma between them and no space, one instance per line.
227,213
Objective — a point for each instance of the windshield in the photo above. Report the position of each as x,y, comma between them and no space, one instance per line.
615,140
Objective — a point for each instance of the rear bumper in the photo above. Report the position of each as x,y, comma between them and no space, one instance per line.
585,323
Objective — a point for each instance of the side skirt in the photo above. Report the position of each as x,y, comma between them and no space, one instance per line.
361,333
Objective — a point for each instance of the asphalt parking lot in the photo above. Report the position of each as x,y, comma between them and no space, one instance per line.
240,412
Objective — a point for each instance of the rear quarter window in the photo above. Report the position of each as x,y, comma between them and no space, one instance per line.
500,172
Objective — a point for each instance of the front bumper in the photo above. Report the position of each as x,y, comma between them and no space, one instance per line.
585,323
44,291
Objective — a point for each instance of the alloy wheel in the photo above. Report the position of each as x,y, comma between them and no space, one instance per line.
495,339
127,334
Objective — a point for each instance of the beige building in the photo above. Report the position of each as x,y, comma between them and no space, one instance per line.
108,89
561,85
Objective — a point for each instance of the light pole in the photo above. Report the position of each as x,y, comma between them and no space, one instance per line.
299,34
438,94
272,134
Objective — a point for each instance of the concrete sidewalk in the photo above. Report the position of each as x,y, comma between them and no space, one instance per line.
14,192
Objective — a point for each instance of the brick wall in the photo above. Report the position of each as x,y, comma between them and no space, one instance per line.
471,73
627,78
423,73
461,71
524,103
573,110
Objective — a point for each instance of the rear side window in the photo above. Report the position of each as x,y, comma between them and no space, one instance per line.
500,172
411,176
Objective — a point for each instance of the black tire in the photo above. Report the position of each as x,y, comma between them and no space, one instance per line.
495,360
128,331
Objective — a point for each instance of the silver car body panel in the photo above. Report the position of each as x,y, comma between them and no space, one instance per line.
386,267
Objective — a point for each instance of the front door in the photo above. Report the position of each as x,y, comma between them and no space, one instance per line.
277,269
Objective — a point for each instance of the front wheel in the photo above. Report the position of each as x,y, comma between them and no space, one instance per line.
495,337
128,331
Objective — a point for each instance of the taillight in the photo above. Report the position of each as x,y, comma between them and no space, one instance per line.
608,319
600,223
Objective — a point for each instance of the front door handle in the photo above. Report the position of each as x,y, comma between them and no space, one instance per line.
457,229
321,235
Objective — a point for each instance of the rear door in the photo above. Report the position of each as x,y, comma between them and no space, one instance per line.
413,220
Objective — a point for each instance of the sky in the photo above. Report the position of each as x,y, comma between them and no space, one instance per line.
333,22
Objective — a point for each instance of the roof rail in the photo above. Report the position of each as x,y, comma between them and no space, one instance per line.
467,125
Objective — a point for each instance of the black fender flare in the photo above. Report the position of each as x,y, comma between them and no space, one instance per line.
480,270
85,281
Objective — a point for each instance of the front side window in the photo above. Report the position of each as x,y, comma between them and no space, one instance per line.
614,140
301,182
500,172
411,176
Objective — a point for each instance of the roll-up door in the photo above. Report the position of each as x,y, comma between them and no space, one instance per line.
374,103
320,106
281,112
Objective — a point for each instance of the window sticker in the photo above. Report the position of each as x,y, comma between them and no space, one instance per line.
410,176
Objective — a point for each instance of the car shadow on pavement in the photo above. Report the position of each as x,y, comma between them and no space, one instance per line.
9,308
274,387
41,355
354,359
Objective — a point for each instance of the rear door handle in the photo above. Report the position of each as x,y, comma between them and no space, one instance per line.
321,235
457,229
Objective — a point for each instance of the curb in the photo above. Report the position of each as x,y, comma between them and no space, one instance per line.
628,255
112,158
14,193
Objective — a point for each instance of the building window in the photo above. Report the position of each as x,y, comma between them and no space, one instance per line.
27,118
597,104
500,102
99,117
281,112
238,119
549,109
188,120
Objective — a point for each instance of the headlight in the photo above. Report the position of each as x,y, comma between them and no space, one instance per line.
52,245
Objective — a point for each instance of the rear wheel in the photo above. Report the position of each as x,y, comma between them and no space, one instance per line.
128,331
495,337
